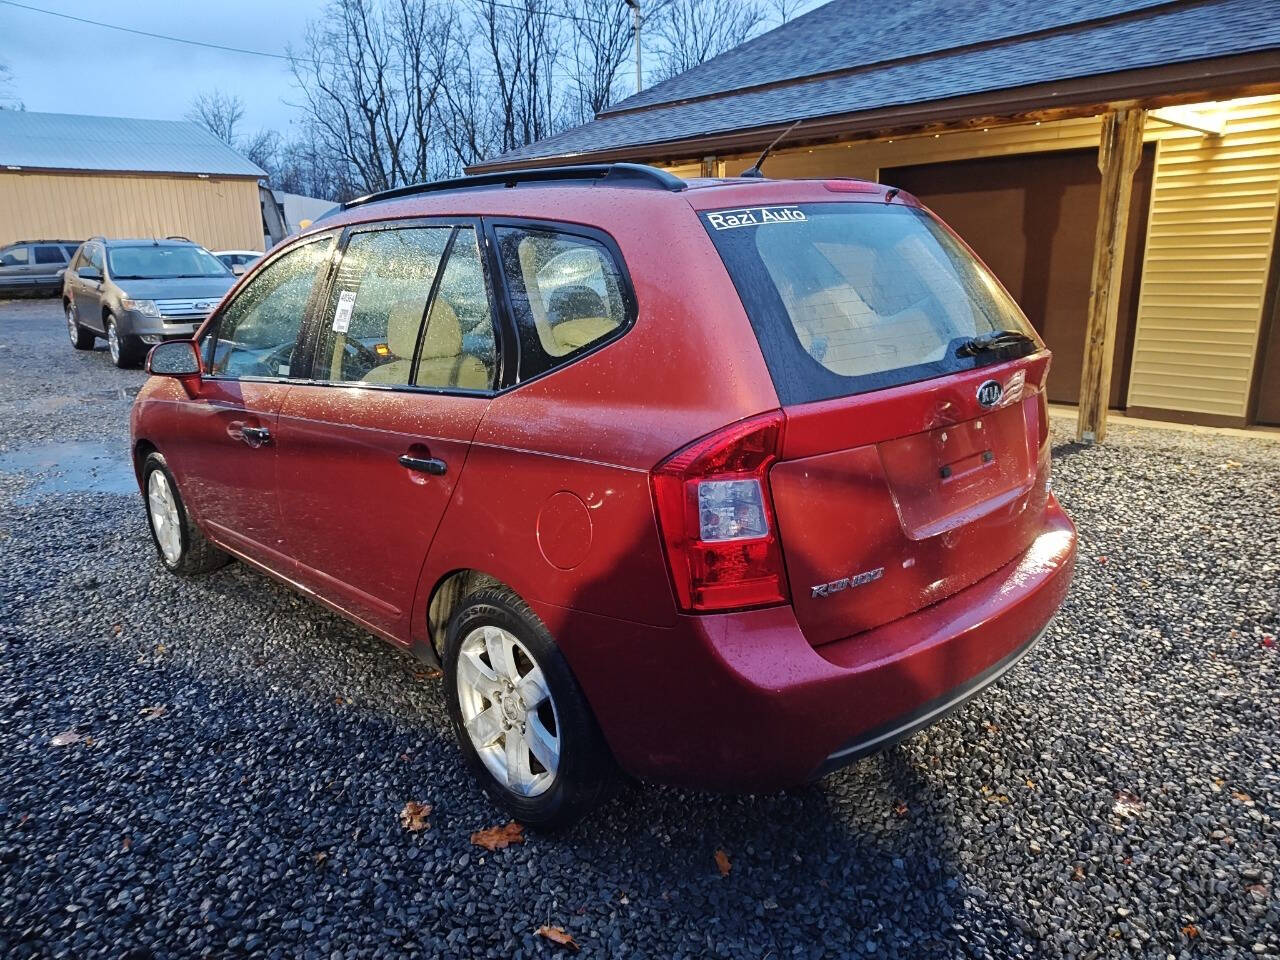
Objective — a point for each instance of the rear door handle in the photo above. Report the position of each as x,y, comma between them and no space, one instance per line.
255,436
432,465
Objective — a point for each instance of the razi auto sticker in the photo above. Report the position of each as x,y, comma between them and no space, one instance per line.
755,217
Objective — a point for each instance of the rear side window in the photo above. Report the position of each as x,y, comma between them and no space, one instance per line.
850,297
410,306
567,294
14,257
50,255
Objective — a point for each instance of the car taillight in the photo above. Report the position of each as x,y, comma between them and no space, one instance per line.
717,519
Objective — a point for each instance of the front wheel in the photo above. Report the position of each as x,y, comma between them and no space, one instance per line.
521,719
125,351
182,547
81,338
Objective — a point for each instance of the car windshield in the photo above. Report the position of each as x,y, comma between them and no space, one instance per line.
158,263
850,297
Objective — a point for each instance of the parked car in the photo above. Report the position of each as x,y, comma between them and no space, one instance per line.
34,266
238,261
136,293
724,484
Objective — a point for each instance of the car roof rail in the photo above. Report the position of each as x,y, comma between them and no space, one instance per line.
605,174
178,236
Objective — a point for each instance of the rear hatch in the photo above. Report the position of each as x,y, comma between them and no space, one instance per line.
914,457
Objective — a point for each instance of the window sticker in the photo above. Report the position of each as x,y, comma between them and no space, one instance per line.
755,217
342,315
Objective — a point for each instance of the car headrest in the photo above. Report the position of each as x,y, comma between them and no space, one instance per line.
444,332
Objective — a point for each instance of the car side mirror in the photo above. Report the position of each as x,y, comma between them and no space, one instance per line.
174,358
60,274
88,273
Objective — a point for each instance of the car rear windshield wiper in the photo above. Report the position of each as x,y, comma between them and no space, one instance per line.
993,341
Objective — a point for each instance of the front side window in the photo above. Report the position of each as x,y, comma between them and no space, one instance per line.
410,307
567,293
15,257
93,258
850,297
153,262
256,333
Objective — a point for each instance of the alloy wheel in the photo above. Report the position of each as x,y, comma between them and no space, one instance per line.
113,342
73,328
508,711
164,515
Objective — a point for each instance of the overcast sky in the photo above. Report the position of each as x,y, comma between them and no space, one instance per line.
63,67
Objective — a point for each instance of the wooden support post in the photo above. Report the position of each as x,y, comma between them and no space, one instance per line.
1119,154
710,167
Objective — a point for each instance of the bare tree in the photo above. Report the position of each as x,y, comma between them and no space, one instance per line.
521,41
370,79
219,113
690,32
8,99
785,10
601,42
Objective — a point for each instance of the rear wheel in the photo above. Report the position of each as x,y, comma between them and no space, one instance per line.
125,351
521,718
81,338
182,547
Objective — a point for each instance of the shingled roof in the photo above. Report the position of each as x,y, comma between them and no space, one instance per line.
886,64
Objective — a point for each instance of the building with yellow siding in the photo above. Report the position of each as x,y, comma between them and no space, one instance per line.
68,177
1003,116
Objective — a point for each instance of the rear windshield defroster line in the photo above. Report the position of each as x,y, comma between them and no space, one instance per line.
846,298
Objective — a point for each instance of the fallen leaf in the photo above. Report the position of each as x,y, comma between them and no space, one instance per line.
1268,640
558,936
1190,931
127,843
319,857
66,738
1031,784
1127,804
414,816
1242,797
722,863
1216,784
117,629
1078,873
153,713
433,673
900,809
991,727
498,838
161,649
339,701
1102,560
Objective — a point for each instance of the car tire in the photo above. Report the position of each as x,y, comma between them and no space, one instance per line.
183,549
81,338
538,713
126,352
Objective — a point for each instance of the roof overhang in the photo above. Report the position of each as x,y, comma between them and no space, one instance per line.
1169,85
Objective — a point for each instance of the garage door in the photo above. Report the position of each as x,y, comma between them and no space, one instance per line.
1032,218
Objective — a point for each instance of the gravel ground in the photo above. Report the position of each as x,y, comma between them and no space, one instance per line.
1115,796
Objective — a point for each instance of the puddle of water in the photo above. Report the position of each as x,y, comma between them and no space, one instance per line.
90,467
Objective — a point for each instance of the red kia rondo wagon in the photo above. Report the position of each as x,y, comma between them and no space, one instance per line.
724,483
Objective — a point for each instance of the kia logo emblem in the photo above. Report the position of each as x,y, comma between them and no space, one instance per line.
989,393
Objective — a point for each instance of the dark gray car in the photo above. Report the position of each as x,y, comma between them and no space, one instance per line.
34,266
136,293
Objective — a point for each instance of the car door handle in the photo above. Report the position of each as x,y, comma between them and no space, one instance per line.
255,436
431,465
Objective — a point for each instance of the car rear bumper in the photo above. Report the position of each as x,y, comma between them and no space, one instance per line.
741,701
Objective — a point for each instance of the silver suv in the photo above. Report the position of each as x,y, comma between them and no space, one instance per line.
136,293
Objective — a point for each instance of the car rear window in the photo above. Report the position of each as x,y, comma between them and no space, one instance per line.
851,297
